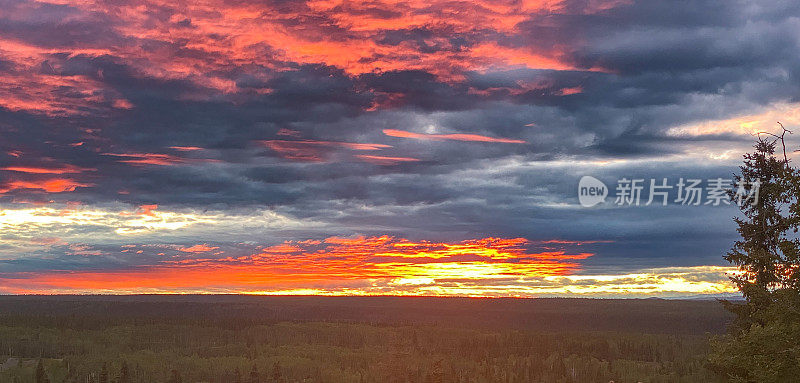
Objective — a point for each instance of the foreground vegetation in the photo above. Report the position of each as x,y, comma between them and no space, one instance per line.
102,341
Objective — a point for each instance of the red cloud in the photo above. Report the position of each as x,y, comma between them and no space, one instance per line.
456,137
274,36
54,185
61,169
384,264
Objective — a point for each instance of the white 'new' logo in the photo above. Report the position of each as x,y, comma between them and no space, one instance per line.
591,191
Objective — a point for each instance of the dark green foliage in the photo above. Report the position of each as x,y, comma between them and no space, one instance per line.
237,312
41,374
764,343
340,352
300,351
767,253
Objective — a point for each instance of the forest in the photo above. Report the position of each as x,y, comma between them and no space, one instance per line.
244,339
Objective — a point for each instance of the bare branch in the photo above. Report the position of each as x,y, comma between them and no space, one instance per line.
781,138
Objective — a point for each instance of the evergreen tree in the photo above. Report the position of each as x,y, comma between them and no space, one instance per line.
71,377
763,344
435,375
124,374
766,254
174,376
277,375
41,375
254,377
104,374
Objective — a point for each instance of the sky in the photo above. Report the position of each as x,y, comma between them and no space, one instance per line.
400,147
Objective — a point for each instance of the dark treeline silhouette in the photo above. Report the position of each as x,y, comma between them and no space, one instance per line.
229,339
556,314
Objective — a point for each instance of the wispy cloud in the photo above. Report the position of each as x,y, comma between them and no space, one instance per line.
454,136
385,160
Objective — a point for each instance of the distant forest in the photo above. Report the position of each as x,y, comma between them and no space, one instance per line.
250,339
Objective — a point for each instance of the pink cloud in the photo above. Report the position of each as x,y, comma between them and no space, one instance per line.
384,160
455,137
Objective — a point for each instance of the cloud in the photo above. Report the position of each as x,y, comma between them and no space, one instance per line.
202,248
384,160
266,120
371,260
52,185
455,137
63,169
313,151
139,159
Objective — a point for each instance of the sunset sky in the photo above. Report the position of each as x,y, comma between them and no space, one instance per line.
400,147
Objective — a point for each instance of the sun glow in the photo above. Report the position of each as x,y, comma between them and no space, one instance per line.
383,265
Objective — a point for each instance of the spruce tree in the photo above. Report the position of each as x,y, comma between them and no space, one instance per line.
174,376
71,376
104,374
764,343
41,374
124,374
254,377
766,254
277,374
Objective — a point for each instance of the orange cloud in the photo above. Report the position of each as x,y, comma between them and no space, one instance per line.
383,160
569,91
55,185
207,38
62,169
186,148
456,137
360,265
147,210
